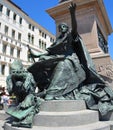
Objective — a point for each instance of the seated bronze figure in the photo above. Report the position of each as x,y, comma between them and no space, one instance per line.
65,72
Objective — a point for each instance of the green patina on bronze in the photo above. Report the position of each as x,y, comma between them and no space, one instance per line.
68,71
21,84
65,72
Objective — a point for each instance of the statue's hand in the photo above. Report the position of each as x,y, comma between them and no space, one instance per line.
30,55
72,7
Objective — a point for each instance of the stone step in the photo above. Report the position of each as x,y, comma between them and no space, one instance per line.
73,118
109,123
63,105
3,115
2,124
93,126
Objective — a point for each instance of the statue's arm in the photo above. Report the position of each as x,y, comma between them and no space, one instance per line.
72,9
33,55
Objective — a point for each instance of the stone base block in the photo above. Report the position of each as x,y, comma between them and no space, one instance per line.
94,126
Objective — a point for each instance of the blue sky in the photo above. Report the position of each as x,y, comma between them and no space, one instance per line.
36,9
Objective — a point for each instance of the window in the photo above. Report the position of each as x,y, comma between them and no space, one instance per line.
19,36
1,7
33,28
20,20
13,33
3,69
39,43
29,26
6,30
14,16
40,32
0,25
45,46
45,36
4,48
29,37
42,44
11,51
18,53
8,12
51,40
32,39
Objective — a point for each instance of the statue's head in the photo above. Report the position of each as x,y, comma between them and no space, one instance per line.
63,28
17,66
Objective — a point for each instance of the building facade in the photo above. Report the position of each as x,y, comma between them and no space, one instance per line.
17,30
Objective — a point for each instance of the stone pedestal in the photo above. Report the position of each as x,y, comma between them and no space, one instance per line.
65,115
93,26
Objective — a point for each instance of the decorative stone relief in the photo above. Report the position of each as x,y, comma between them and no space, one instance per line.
106,69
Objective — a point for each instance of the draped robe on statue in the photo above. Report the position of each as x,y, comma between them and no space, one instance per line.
74,76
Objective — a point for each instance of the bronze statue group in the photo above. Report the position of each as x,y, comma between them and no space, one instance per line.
65,72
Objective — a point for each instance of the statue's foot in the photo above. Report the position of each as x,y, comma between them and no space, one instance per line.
49,97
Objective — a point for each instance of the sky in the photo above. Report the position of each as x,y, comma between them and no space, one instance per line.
36,9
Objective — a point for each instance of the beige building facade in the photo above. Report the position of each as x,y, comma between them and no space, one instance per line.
17,30
94,27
